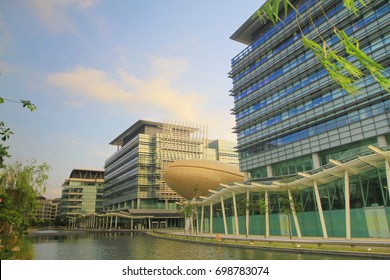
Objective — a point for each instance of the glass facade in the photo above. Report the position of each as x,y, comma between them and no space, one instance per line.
285,101
225,151
82,193
368,192
316,158
133,175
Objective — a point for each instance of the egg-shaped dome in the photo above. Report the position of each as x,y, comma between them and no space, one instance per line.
195,177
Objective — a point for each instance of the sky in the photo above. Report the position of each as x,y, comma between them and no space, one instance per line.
95,67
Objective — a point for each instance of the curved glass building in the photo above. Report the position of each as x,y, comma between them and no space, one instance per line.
316,158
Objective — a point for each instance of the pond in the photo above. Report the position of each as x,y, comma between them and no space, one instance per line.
140,246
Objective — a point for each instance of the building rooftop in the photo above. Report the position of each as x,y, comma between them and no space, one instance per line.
139,128
85,175
253,28
246,32
134,129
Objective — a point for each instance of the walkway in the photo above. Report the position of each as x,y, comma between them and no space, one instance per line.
369,247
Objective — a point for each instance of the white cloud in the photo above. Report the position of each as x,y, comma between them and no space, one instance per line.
55,14
88,83
161,93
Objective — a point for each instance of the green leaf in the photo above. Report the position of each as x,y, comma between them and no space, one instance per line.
275,9
338,67
351,5
310,44
270,10
29,105
346,65
352,48
286,3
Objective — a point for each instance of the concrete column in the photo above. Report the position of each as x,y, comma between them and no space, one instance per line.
224,216
269,171
382,142
235,214
116,222
320,212
201,219
266,215
294,214
211,217
196,219
347,206
387,169
247,213
316,160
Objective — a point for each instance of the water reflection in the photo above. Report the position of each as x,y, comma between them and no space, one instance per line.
138,246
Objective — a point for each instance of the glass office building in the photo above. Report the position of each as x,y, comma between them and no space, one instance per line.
82,193
133,174
223,150
301,136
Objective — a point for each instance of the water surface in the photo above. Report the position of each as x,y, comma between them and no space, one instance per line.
139,246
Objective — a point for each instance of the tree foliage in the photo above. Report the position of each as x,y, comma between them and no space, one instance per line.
341,70
20,186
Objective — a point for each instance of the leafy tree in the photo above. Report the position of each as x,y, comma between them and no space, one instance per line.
61,221
285,202
340,69
188,211
261,206
20,186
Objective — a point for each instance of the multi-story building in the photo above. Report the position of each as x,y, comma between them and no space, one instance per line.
133,174
223,150
47,210
82,193
300,133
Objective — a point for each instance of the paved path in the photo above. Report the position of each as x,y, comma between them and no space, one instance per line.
378,242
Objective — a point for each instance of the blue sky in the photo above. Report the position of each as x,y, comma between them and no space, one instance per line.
94,67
